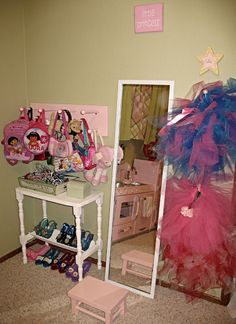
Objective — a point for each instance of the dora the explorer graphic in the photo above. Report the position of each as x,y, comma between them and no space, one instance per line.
14,146
33,138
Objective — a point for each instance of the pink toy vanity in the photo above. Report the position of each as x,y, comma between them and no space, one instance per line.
136,200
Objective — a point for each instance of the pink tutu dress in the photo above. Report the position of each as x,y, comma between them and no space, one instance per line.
196,236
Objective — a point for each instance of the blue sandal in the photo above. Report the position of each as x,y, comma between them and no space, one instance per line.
48,260
41,226
70,235
85,242
62,235
47,232
39,259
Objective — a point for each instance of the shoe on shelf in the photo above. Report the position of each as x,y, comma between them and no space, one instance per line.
32,254
67,263
56,263
47,261
41,226
73,242
70,235
85,242
75,274
39,258
61,236
47,231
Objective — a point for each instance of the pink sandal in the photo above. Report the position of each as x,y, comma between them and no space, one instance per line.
32,254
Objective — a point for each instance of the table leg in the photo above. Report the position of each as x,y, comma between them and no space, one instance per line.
73,306
45,215
123,307
99,202
77,213
20,197
44,205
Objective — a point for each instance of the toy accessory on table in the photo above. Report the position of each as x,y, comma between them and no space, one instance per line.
46,175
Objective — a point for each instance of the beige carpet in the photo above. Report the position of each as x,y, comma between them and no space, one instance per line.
30,294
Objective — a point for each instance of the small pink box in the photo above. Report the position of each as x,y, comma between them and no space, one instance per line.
148,18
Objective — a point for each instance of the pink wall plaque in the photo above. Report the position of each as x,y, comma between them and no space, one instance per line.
148,18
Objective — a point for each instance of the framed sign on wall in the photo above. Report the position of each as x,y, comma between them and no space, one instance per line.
148,18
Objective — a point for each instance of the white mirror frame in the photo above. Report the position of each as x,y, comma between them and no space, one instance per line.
121,83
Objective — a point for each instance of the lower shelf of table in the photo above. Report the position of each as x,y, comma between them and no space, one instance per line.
52,240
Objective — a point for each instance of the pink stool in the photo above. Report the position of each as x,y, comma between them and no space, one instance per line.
100,295
139,258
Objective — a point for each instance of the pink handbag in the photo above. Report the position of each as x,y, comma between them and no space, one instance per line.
59,148
88,151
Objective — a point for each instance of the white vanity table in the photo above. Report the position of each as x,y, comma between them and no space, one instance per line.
77,205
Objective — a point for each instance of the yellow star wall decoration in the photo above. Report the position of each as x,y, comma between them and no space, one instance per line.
209,61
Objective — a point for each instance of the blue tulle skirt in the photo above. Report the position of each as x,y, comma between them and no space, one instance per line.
200,138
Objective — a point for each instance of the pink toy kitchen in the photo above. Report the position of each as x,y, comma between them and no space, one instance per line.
136,198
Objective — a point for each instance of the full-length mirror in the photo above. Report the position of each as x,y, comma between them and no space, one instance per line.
138,183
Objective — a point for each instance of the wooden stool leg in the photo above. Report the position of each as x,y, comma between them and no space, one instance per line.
123,307
73,306
124,267
108,319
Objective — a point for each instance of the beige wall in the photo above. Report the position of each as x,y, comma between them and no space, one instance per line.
13,95
76,51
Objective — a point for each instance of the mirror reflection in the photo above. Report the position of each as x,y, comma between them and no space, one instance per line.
143,110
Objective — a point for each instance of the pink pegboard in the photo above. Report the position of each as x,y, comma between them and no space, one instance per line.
96,116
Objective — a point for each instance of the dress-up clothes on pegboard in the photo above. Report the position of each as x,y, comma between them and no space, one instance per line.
197,231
